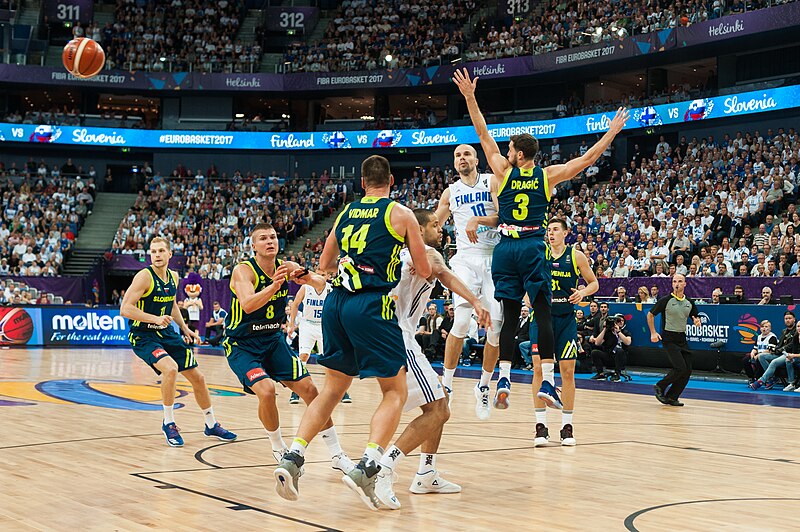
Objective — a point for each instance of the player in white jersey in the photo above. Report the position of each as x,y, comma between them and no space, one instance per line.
309,326
470,202
424,390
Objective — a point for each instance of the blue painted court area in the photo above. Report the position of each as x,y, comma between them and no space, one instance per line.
703,387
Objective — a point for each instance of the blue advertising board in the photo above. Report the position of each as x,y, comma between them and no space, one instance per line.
83,326
737,325
595,124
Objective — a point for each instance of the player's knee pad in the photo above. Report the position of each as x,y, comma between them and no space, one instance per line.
493,335
461,319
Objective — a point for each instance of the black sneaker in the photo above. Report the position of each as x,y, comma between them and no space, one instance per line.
673,402
598,377
615,378
567,438
660,394
542,435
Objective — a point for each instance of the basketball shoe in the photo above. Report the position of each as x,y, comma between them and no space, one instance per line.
431,482
503,392
362,481
287,474
172,433
482,409
549,395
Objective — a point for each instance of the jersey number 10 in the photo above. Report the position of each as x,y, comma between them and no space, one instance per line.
479,209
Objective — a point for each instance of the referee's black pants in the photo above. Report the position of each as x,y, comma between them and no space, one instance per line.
681,359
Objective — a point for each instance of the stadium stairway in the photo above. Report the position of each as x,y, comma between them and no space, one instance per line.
247,31
29,12
316,232
98,233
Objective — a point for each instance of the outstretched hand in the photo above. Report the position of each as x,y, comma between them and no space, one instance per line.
464,83
619,120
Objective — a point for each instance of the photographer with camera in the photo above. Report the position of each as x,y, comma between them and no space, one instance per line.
611,347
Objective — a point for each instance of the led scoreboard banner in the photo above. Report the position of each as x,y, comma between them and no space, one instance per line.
595,124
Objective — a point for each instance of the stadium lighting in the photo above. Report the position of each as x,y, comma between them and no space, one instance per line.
239,115
162,59
388,58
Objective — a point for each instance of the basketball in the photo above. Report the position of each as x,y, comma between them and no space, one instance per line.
16,327
83,57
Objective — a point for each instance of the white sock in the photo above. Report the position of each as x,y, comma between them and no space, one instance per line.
486,377
391,457
169,416
566,418
298,446
541,416
209,415
373,453
427,463
331,439
505,370
447,377
276,439
548,372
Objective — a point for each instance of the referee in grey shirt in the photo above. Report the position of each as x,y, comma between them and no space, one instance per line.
677,308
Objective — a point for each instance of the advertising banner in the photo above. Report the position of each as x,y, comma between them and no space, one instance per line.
20,326
737,325
738,25
83,326
701,287
594,124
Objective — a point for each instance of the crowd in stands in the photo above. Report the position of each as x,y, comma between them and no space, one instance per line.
53,116
176,35
417,34
207,214
43,208
18,293
704,207
361,36
571,24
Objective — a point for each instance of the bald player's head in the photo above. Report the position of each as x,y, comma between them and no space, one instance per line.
465,159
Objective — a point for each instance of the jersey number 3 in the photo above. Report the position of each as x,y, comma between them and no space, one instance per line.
356,241
521,212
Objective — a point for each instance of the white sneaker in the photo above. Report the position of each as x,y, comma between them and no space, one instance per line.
384,490
342,462
797,390
482,408
431,482
790,388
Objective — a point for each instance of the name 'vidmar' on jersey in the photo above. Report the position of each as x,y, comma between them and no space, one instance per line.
468,201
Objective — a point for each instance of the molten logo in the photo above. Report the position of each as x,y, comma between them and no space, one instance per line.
748,329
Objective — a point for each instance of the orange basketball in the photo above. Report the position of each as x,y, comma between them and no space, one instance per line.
16,327
83,57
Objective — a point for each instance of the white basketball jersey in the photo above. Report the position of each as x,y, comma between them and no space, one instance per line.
312,303
410,295
466,202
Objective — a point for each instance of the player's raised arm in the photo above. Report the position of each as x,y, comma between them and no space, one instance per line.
558,173
128,309
497,162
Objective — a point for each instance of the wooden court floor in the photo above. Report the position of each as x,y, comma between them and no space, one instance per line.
77,452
